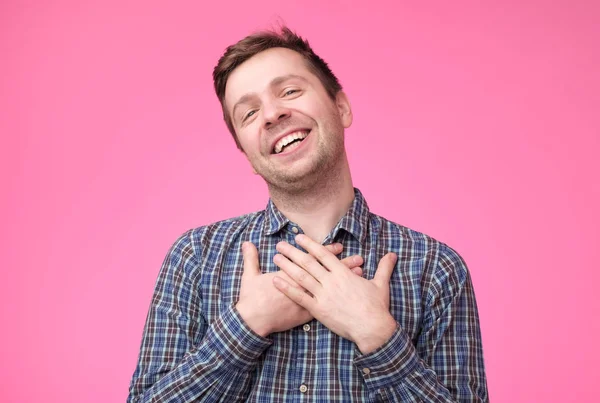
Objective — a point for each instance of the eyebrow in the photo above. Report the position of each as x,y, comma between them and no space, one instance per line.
274,82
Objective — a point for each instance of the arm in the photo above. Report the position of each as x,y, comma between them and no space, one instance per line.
447,363
181,357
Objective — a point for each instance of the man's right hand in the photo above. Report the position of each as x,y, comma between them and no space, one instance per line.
262,306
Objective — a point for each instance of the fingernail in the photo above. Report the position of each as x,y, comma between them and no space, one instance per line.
299,237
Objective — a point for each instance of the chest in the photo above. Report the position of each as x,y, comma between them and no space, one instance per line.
222,270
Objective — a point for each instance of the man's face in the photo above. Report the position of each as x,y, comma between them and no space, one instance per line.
289,128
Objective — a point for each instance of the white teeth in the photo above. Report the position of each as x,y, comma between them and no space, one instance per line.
288,139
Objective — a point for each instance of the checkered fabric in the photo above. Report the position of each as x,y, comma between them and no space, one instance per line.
196,347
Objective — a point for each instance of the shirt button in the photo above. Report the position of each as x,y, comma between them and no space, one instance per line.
306,327
366,371
295,230
303,388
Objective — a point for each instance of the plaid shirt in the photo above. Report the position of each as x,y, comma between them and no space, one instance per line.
196,347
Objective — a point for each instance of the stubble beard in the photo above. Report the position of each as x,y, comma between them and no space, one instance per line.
325,167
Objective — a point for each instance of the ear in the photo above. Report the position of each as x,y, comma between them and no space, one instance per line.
344,109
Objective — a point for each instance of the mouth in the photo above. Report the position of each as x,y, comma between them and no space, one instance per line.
290,141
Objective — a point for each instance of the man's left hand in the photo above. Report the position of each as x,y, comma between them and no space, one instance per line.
350,306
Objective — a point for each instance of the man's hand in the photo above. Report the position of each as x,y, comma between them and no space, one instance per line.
264,309
350,306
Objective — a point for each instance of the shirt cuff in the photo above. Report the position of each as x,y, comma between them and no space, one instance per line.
235,342
390,363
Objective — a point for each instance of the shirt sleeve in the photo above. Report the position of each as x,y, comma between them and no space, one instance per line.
446,364
182,358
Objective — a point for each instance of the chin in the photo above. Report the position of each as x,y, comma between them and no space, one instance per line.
298,182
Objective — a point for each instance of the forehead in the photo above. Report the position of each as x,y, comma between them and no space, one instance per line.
256,73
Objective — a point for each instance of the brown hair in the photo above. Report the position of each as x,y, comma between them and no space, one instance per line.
258,42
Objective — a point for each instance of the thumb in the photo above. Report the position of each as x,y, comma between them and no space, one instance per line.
385,269
250,254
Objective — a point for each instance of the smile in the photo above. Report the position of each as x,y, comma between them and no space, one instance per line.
290,141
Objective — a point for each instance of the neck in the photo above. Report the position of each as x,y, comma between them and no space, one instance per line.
319,207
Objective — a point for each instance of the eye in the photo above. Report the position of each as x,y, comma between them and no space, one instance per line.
289,92
249,114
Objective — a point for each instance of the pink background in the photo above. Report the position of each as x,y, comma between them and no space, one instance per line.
477,124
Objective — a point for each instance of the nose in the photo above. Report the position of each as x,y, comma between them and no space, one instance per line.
274,112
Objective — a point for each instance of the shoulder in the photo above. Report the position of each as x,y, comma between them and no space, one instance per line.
220,229
190,248
396,233
442,261
218,232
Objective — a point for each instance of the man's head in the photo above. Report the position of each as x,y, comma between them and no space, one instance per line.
253,44
271,85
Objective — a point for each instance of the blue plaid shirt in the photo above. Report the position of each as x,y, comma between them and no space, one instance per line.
196,347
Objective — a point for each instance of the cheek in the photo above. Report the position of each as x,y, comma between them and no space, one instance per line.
322,111
250,140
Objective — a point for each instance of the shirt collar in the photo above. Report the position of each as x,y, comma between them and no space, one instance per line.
355,221
274,219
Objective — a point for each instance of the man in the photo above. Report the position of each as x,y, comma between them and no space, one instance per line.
260,308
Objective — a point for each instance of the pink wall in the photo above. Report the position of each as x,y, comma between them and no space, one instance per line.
476,124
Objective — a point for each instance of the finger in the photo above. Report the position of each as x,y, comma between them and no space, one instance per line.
335,248
319,252
250,254
298,274
287,278
300,297
357,270
304,260
352,261
385,269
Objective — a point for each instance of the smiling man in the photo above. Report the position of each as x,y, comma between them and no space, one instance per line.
314,298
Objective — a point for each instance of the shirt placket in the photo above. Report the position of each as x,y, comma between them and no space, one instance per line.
301,380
